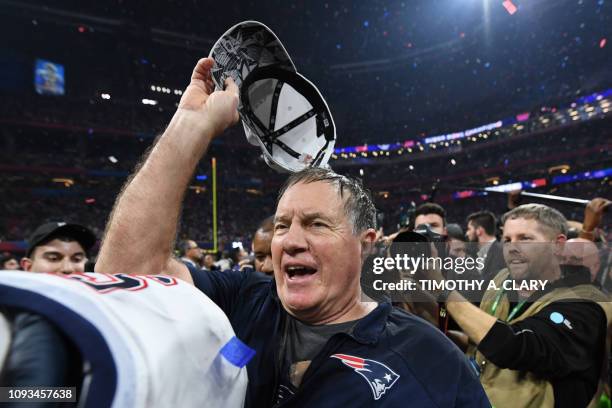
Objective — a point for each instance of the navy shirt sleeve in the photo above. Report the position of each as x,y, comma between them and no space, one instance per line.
563,337
221,287
224,288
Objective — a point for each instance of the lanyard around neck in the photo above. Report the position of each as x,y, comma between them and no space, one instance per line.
514,310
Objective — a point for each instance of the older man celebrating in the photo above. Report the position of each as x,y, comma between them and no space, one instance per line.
318,341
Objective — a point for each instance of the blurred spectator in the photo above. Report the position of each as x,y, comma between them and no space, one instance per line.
261,246
582,252
432,214
240,258
9,262
58,247
593,214
482,229
225,262
209,262
191,253
456,241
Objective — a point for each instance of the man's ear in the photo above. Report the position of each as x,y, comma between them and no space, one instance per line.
559,243
26,264
368,235
368,238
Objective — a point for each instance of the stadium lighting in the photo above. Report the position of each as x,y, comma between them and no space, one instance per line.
153,87
66,181
453,162
149,102
112,159
105,96
411,167
361,172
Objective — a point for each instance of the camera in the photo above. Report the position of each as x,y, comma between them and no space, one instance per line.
421,235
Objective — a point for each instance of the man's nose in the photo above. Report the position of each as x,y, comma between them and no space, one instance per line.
511,247
294,240
67,267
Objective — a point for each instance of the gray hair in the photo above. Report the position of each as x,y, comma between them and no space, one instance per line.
358,205
546,216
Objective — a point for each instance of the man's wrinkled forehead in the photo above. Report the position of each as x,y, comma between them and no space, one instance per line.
318,198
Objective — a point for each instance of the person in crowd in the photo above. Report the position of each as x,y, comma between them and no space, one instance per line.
191,253
209,262
9,262
457,247
224,263
581,251
58,247
312,331
593,214
432,214
535,348
261,246
240,258
482,229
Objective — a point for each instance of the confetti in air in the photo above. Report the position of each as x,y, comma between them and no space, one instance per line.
509,6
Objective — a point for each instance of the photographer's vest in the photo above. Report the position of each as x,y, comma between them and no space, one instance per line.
512,388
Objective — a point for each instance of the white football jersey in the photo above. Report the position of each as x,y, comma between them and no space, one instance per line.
151,341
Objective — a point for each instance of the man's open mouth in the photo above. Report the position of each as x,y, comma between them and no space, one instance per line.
299,270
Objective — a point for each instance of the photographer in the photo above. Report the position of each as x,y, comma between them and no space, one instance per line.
535,348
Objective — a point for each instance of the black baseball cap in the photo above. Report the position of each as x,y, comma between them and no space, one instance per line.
81,234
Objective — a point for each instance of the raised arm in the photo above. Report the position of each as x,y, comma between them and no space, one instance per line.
142,228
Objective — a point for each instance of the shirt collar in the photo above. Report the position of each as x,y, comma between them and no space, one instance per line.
371,326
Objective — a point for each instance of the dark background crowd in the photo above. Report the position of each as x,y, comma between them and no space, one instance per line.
390,72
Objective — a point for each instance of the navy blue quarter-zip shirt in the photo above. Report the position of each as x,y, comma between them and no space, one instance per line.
389,359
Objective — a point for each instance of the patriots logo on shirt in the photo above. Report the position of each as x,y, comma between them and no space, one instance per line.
379,376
